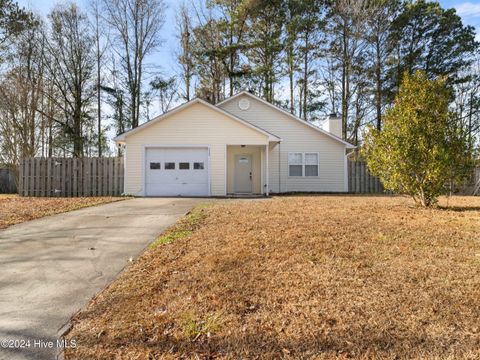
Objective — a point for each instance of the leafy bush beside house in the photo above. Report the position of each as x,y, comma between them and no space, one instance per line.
422,150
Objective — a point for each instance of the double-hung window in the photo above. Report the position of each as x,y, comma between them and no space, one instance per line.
311,164
295,164
302,164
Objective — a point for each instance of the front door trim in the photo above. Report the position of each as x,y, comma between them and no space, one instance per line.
235,174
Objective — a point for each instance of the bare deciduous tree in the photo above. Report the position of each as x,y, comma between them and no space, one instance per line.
20,98
136,26
101,41
70,64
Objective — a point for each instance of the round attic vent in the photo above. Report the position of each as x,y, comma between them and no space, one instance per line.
244,104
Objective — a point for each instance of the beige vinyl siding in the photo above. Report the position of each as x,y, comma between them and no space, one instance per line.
296,137
195,125
256,153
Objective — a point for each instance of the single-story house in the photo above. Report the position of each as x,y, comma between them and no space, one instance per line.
242,145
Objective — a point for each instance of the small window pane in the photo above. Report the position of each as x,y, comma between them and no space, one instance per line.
311,159
169,166
154,166
184,166
198,166
295,170
295,158
311,170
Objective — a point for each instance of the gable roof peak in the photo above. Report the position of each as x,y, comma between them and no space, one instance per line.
290,115
121,138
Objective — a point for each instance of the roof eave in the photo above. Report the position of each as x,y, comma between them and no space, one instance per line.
119,139
274,139
122,137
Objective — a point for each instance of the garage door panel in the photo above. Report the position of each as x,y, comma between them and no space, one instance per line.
178,190
160,181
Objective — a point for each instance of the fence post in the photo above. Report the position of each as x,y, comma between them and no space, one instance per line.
21,174
49,177
92,176
122,176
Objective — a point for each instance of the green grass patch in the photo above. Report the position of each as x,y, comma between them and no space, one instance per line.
167,239
194,327
183,228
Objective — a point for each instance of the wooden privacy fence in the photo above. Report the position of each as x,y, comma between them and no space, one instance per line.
472,187
70,177
360,181
8,184
67,177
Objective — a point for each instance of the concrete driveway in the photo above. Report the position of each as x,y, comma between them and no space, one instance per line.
51,267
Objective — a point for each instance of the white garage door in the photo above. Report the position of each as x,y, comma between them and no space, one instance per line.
176,172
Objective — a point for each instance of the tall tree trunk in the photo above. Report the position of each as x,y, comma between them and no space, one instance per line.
232,65
187,84
470,123
291,71
305,78
99,112
77,131
99,109
344,83
378,80
50,125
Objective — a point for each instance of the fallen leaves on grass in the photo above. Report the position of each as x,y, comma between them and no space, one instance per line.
16,209
299,278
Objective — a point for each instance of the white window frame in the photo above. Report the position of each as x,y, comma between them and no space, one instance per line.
303,164
288,162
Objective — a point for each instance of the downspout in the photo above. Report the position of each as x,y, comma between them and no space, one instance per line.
267,175
124,169
279,148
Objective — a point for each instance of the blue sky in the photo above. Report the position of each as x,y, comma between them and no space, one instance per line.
468,10
164,58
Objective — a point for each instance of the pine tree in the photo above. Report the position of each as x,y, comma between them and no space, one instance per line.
265,44
429,38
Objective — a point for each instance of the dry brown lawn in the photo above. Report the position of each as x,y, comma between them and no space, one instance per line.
15,209
327,277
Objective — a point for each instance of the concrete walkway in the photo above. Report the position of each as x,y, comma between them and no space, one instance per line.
51,267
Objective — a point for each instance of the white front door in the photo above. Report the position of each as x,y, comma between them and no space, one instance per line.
243,174
176,171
